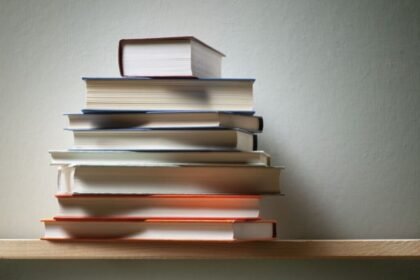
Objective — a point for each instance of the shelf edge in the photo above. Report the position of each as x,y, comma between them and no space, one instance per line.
20,249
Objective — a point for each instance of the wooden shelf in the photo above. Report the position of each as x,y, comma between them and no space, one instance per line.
282,249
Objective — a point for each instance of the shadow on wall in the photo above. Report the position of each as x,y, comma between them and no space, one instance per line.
296,212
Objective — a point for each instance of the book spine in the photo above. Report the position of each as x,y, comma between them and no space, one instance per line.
255,142
274,229
120,61
260,124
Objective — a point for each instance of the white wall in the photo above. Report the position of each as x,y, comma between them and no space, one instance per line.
338,83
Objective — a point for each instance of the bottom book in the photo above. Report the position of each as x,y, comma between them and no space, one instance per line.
203,230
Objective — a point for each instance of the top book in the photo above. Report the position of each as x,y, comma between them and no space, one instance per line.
168,57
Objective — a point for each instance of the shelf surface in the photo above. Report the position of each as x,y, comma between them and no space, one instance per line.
282,249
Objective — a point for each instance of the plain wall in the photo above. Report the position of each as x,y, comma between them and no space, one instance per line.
207,270
338,85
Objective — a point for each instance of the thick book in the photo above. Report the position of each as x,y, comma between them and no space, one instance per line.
158,206
169,56
143,94
90,157
166,120
164,140
156,229
238,180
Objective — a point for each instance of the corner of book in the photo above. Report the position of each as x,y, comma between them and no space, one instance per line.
260,123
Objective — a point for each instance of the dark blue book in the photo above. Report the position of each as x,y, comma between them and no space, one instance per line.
165,121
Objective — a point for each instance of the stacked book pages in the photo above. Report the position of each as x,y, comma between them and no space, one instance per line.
168,151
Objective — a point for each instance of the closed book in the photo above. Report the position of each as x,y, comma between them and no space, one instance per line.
204,230
158,206
144,94
79,179
164,140
169,56
179,158
166,120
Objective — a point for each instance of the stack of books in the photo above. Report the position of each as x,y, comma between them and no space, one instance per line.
168,151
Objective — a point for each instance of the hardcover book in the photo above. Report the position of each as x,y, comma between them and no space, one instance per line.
142,207
166,120
158,229
164,140
143,94
238,180
169,56
125,158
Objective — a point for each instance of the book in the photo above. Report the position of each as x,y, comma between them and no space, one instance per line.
143,94
165,120
205,230
164,140
238,180
169,56
158,206
90,157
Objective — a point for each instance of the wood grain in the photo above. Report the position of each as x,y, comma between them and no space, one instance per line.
282,249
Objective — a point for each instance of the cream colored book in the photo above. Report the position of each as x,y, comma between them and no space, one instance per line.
181,95
90,157
238,180
164,140
158,206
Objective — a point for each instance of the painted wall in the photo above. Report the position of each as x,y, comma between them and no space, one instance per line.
338,84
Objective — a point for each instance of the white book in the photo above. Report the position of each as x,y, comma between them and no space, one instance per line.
169,56
90,157
144,94
164,140
158,206
143,180
205,230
